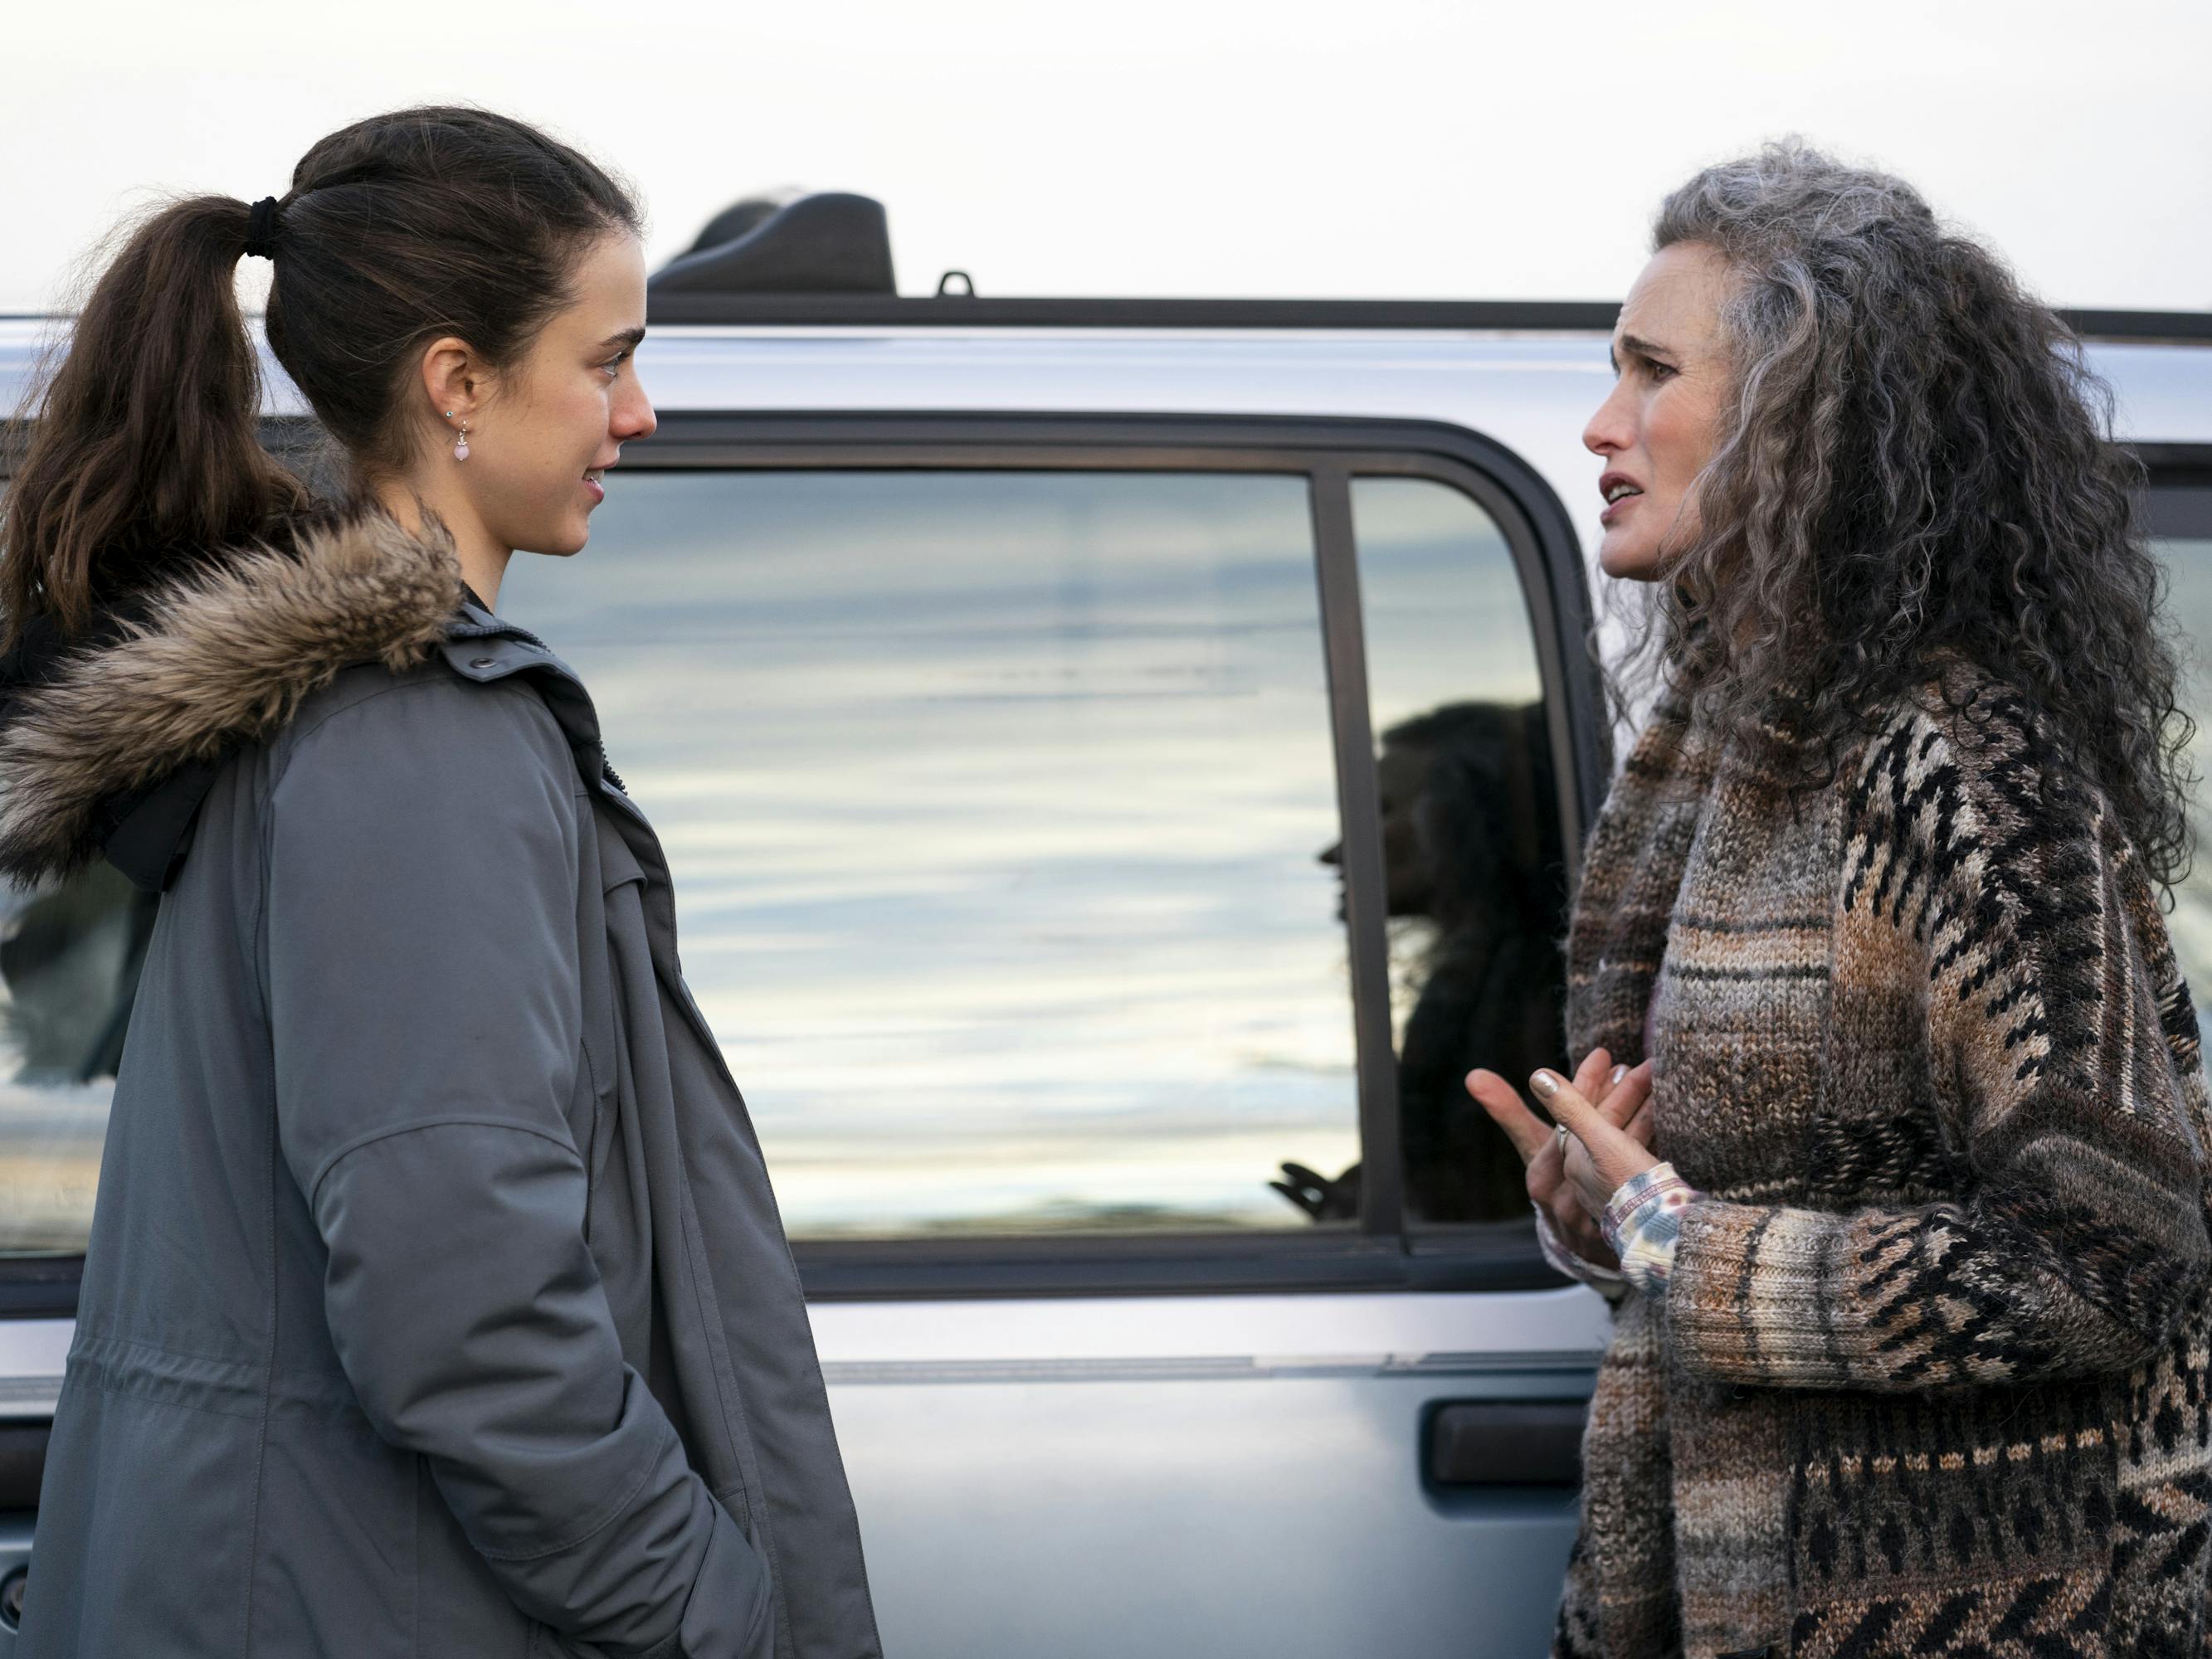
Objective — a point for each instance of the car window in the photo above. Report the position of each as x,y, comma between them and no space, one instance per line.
1472,859
2188,560
994,801
69,955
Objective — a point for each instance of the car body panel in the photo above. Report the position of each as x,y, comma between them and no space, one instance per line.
1184,1474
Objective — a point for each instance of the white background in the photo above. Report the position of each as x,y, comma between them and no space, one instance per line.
1380,149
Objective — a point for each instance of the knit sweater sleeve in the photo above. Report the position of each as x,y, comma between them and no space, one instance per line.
2066,1081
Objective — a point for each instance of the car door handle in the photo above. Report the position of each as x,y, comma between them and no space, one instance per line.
1506,1443
23,1463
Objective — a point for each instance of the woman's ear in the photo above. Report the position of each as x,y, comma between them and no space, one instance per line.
454,379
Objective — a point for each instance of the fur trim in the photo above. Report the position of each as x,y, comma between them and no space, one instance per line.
222,657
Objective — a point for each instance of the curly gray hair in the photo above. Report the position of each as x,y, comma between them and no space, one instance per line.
1915,462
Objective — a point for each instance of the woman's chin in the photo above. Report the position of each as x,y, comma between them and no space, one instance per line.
1627,560
568,538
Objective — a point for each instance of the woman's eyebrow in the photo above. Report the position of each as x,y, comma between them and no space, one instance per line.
628,337
1643,348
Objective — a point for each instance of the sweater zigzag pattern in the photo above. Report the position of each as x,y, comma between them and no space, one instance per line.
1932,1371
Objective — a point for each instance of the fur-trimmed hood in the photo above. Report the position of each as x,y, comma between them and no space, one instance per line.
95,735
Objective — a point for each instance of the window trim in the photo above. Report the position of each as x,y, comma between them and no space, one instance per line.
1360,824
1378,1253
2182,470
1330,453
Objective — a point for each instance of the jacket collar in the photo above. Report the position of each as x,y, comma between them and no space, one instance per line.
118,744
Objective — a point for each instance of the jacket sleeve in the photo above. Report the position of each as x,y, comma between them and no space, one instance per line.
2064,1051
425,1007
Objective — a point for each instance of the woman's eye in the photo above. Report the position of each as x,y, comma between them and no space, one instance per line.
1660,371
613,365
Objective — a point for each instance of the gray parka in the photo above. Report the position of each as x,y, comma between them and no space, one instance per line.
436,1302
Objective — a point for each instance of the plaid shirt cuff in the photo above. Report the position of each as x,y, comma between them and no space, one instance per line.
1641,1221
1563,1258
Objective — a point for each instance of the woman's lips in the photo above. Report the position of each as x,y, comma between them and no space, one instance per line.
598,492
1613,509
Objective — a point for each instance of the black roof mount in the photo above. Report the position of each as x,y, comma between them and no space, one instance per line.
829,243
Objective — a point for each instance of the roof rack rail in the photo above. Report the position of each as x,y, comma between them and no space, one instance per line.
881,310
956,310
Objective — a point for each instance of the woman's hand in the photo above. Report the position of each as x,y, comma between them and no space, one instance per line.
1553,1164
1599,1153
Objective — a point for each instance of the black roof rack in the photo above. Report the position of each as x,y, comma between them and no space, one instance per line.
2146,326
963,310
958,311
825,259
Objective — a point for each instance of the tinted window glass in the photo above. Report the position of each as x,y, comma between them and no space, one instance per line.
1470,833
70,954
993,801
2189,597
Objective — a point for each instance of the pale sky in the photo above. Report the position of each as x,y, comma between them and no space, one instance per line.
1411,148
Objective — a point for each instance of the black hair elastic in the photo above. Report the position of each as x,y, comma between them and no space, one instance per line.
261,230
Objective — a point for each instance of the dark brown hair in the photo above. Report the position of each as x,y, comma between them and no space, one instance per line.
398,229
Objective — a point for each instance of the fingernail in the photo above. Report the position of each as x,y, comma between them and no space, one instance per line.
1545,1084
1619,1072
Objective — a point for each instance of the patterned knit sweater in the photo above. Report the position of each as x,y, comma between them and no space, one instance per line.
1930,1373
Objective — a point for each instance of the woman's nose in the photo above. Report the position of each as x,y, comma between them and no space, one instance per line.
635,418
1612,429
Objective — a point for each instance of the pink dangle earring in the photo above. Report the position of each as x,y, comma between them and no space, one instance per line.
461,443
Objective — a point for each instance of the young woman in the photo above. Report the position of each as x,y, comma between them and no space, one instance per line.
1911,1346
436,1301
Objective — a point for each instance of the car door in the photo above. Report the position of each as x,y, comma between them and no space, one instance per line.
2179,516
1077,824
1101,847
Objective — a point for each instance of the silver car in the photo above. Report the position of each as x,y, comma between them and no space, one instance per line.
1132,762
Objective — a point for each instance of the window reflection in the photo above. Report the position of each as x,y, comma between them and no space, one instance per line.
70,957
992,799
1471,842
1476,865
2189,599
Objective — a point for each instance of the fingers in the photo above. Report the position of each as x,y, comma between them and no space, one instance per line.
1613,1155
1588,1181
1547,1169
1628,1092
1614,1100
1528,1132
1593,1076
1569,1105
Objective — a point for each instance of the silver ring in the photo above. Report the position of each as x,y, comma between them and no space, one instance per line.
1560,1130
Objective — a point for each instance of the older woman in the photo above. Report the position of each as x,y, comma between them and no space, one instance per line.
1912,1345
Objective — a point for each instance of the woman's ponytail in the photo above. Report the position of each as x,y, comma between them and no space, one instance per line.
397,230
145,449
